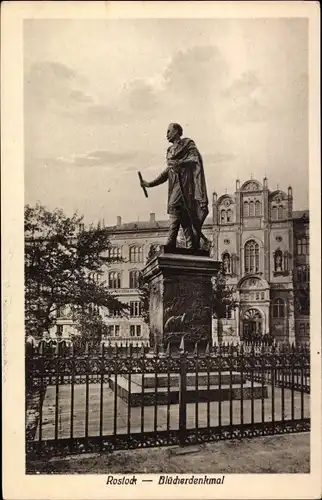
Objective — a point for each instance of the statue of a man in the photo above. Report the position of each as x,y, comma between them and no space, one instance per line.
187,193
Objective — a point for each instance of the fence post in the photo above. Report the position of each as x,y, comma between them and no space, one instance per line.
182,395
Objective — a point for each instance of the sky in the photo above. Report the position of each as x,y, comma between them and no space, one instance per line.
99,95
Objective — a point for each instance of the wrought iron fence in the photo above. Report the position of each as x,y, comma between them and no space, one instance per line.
118,399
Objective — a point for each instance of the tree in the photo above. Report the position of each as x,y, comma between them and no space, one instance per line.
223,300
144,289
63,266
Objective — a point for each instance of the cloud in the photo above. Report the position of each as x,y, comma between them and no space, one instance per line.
124,161
51,84
243,86
140,95
196,69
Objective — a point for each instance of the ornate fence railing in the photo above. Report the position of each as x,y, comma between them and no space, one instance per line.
128,398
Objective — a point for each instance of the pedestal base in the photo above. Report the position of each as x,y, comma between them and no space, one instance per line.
149,390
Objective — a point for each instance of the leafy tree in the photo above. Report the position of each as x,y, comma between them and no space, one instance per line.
63,263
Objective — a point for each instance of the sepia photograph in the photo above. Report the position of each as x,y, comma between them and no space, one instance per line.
167,247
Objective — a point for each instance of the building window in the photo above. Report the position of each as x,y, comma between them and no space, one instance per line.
229,216
274,213
302,246
115,313
115,252
114,279
226,262
278,261
302,329
258,208
229,313
60,311
278,308
134,278
251,209
59,331
136,254
135,330
280,212
251,257
114,330
223,216
94,277
303,274
135,309
246,209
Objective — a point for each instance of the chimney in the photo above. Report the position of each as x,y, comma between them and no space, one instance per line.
152,218
118,221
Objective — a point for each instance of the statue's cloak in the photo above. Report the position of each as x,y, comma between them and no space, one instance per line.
190,175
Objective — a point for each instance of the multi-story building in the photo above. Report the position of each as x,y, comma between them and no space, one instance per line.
264,247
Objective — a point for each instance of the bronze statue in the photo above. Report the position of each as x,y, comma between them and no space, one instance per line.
187,194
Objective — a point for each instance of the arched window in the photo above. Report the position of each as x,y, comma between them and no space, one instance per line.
226,262
114,279
251,257
302,246
258,208
274,213
251,209
134,278
115,252
280,211
94,277
136,254
229,215
246,209
278,308
223,216
278,261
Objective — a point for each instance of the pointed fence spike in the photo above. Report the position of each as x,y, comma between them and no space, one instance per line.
207,350
195,351
168,349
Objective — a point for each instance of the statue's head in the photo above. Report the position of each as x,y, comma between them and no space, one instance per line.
174,132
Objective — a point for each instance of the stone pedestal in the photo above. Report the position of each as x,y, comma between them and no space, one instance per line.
149,390
180,299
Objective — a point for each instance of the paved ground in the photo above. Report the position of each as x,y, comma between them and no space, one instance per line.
272,454
133,416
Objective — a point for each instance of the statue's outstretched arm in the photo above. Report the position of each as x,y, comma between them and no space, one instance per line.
161,179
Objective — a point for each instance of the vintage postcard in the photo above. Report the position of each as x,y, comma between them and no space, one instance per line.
161,258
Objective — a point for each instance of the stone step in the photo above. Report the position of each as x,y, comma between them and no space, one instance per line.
150,380
136,395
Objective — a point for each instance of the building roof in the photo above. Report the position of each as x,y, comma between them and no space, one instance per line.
299,214
148,225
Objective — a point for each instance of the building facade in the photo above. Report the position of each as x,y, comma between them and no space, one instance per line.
264,247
